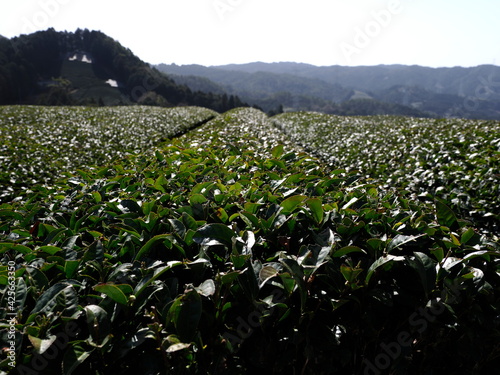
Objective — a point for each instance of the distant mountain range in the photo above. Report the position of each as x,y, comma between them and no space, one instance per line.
394,89
89,68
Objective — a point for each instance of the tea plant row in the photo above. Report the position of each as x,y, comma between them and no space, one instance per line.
456,160
39,144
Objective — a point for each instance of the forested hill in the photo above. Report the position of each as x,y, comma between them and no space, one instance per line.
88,67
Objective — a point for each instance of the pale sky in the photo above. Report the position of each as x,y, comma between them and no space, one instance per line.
321,32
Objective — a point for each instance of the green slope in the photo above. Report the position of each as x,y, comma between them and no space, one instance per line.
36,69
87,86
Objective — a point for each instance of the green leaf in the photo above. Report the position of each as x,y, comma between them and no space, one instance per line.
112,291
229,278
252,207
316,207
425,268
19,249
483,254
159,156
349,273
298,275
375,244
249,219
54,235
160,182
350,203
12,214
467,235
147,247
21,293
288,281
189,221
347,250
291,203
49,300
277,151
97,196
74,357
267,273
222,215
98,323
312,257
136,340
70,267
214,233
129,205
445,216
37,278
197,199
69,248
382,261
50,249
178,227
143,284
249,283
185,313
438,253
400,240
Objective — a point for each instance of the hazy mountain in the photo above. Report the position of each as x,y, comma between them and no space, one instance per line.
261,82
456,81
268,91
198,83
441,92
88,67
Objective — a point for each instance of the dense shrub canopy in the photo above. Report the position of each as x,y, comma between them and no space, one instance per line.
230,250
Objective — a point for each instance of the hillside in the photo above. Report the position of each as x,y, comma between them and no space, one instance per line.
441,92
88,68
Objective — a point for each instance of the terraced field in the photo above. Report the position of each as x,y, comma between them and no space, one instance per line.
231,250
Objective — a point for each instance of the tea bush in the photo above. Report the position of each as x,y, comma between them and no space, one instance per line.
456,160
231,251
39,144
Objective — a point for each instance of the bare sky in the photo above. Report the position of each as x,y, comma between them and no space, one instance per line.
320,32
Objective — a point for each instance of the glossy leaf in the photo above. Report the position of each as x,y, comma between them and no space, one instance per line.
291,203
316,208
112,291
445,215
219,233
185,313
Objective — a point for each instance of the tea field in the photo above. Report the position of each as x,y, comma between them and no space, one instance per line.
39,144
455,160
298,244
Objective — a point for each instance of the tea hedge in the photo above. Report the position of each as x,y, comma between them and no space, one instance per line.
231,251
456,160
39,144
